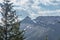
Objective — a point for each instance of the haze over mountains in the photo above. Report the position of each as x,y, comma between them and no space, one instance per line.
38,28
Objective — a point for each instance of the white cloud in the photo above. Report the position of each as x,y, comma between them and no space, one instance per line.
24,5
51,2
23,2
13,0
49,13
31,7
45,13
1,1
33,16
45,1
40,12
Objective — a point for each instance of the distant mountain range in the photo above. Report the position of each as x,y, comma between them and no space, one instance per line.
38,28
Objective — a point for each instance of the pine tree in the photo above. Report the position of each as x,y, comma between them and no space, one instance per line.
46,38
9,28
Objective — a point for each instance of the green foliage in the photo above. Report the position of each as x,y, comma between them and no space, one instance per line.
10,28
46,38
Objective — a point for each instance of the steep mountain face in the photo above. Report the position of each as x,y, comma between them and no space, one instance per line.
32,29
47,19
38,28
27,20
52,22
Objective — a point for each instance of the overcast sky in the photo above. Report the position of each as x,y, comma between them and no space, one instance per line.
35,8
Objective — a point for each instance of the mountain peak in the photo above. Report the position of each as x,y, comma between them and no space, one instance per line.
27,17
27,20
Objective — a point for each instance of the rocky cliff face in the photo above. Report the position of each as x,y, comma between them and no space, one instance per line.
39,27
